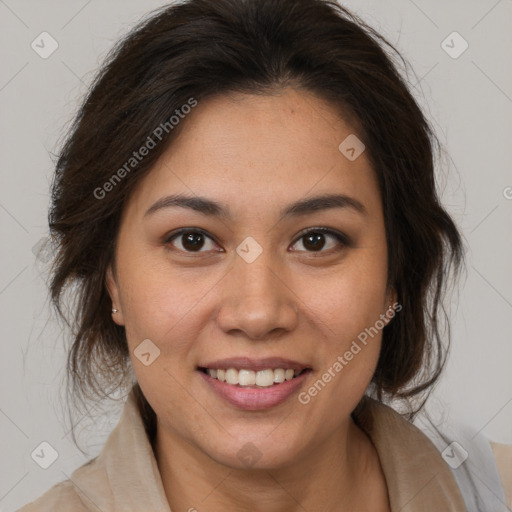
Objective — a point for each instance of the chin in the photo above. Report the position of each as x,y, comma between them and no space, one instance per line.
255,455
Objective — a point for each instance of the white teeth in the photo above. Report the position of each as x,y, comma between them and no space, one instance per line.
246,378
279,375
232,376
265,378
261,378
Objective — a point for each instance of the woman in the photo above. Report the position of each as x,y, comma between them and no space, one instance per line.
247,205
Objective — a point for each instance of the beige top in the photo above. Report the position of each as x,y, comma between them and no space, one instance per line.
128,480
503,455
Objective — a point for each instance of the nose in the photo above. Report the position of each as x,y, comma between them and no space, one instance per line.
257,300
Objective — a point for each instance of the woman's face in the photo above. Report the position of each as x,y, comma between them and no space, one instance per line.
247,283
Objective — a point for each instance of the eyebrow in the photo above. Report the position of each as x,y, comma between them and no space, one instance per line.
303,207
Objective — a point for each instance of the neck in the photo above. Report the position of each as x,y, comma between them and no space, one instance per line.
332,478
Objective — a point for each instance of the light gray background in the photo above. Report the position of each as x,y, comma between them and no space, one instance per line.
468,99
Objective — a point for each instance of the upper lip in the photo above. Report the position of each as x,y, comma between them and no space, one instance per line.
247,363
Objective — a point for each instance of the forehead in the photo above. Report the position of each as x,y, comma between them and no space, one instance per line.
251,151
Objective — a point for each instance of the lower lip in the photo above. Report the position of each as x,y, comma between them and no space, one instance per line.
253,399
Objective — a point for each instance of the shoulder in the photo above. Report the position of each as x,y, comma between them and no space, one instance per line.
124,476
411,463
503,456
478,466
60,497
86,490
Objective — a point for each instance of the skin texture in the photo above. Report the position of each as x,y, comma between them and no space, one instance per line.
256,155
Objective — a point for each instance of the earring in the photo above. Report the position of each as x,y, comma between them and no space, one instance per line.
114,311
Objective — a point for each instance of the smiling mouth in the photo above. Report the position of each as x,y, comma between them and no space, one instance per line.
253,379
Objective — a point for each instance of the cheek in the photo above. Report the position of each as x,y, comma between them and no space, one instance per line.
163,308
157,299
352,298
348,304
348,308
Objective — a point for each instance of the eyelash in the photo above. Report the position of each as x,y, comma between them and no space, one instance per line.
341,238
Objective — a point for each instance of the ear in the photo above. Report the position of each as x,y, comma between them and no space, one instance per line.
113,290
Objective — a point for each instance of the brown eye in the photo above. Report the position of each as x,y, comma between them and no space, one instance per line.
191,240
314,240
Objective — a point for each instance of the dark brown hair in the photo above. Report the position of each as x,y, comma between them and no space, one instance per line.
201,48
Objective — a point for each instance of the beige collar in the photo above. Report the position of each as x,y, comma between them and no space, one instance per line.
125,475
418,478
